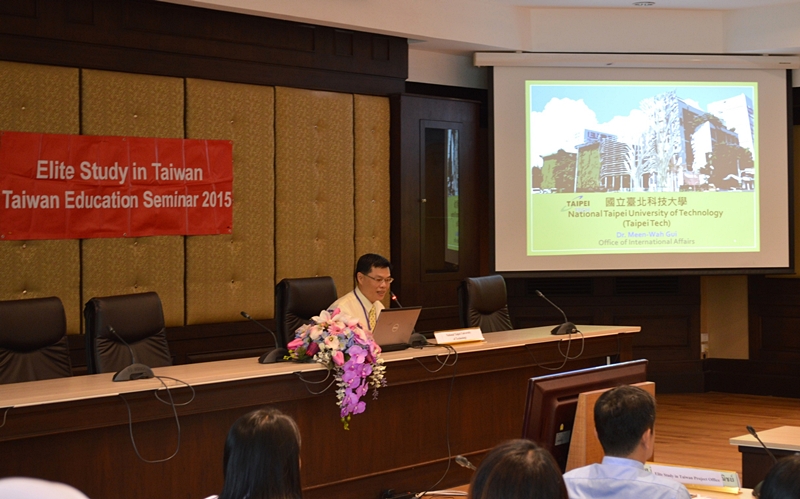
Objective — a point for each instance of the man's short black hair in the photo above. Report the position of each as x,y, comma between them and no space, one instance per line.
621,416
369,260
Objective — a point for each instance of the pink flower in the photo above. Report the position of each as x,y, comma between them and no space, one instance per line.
312,349
361,337
295,343
375,350
338,357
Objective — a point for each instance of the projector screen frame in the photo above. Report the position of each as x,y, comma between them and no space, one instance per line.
785,63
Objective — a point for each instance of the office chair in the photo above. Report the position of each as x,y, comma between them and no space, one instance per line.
298,300
482,303
138,319
33,340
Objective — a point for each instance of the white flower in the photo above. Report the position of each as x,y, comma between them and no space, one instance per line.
324,316
315,331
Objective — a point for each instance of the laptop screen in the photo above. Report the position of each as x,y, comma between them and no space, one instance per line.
394,327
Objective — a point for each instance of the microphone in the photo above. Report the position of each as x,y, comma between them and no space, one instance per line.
751,431
277,353
394,299
565,328
417,340
757,488
133,371
464,463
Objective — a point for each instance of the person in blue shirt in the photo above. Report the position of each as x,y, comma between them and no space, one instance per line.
624,418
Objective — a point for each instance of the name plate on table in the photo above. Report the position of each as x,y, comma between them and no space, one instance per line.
698,478
453,336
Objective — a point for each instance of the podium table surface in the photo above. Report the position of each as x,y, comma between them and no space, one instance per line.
756,463
100,385
782,437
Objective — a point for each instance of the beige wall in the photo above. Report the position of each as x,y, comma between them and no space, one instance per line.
311,184
724,317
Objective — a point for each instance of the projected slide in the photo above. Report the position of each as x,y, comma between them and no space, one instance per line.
641,167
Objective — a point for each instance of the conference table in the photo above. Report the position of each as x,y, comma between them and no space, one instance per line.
756,463
76,430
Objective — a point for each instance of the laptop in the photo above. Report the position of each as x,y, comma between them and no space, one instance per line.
394,327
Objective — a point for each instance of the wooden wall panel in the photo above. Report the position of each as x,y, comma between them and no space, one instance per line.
774,319
314,214
161,38
226,274
41,99
142,106
666,307
372,193
140,38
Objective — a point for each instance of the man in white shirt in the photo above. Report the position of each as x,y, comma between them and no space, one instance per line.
625,421
373,276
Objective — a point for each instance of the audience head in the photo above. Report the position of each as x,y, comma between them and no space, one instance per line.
518,469
262,457
34,488
783,480
622,416
373,275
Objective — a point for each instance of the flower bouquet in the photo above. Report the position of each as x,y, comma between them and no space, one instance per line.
338,342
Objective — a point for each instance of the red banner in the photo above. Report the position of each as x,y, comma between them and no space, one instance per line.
82,186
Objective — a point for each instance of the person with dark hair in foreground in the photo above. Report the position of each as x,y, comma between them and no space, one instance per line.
373,276
624,418
783,480
518,469
262,457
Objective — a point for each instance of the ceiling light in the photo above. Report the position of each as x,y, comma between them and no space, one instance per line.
644,4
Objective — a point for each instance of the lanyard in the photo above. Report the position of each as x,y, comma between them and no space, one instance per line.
366,315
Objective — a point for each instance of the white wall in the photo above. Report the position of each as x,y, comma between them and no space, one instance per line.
627,30
425,66
460,27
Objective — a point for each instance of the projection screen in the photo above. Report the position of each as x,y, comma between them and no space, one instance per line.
664,169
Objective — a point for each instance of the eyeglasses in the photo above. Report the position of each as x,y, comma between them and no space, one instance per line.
380,280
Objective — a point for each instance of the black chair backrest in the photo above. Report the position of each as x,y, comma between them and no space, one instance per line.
138,319
482,302
33,341
298,300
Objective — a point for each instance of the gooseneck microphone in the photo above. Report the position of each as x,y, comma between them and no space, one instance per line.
277,353
417,340
752,431
133,371
565,328
394,299
464,463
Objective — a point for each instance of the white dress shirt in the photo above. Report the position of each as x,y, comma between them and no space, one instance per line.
356,305
620,478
